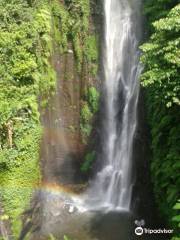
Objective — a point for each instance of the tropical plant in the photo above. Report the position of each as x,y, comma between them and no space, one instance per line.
160,56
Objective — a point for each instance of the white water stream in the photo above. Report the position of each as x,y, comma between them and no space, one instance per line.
112,188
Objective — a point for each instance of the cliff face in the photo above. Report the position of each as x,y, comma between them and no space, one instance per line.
70,113
61,138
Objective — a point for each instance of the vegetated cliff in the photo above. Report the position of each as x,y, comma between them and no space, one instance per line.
161,81
41,42
68,119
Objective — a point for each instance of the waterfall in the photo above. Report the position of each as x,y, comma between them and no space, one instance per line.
112,187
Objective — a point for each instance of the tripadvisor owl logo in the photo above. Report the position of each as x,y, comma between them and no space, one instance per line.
139,230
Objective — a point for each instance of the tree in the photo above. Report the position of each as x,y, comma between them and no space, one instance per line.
161,59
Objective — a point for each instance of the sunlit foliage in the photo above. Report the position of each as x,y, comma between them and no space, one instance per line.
161,80
25,73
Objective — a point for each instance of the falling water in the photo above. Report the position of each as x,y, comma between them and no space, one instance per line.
112,187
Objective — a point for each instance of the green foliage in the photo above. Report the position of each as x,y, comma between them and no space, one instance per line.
165,162
72,20
89,159
86,129
86,114
93,99
91,48
156,9
86,117
91,53
51,237
61,24
161,59
25,48
66,238
162,83
176,217
79,25
89,108
19,181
